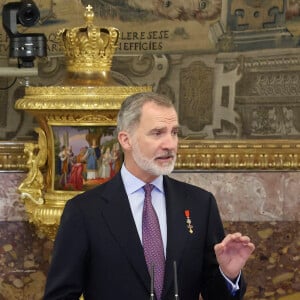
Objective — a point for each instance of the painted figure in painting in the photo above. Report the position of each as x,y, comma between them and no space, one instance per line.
91,159
104,171
116,159
78,170
63,165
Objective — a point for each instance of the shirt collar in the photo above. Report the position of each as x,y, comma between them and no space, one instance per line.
132,183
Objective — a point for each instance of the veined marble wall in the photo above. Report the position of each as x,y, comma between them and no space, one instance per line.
263,205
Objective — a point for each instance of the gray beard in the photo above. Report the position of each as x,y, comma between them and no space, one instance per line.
149,165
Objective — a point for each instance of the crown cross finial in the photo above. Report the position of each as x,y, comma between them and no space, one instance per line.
89,14
89,8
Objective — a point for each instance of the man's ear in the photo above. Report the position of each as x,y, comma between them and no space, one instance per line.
124,140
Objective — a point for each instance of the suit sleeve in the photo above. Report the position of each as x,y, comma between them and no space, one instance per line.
66,273
215,286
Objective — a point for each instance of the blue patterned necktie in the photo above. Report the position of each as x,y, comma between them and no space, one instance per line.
152,242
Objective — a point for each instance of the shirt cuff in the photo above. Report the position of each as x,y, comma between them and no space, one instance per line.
233,286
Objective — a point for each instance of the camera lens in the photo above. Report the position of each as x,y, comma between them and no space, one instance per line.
28,14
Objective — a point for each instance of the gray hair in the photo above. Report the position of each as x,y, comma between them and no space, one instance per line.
131,109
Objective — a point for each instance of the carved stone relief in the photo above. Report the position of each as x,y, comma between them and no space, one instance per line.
267,98
195,105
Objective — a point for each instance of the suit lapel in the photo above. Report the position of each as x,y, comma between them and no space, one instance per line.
118,216
176,229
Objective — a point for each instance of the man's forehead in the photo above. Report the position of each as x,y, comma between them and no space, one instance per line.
154,109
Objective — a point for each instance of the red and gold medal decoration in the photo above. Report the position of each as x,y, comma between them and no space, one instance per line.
188,221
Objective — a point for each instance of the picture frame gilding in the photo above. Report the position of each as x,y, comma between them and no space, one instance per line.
66,115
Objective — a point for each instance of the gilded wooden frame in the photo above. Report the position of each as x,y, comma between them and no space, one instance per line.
239,155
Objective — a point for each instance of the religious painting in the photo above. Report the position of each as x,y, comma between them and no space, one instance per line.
85,156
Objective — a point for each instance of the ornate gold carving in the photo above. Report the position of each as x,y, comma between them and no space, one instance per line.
239,155
104,119
89,48
33,185
199,155
75,98
87,91
12,156
46,217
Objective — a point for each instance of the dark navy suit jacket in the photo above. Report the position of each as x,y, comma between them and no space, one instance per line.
98,251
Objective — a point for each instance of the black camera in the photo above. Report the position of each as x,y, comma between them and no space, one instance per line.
23,46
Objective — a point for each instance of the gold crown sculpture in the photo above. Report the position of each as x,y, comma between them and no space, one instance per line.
89,49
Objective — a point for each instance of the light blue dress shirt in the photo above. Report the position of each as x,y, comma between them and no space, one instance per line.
136,196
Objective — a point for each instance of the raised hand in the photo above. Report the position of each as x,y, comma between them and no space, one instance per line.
232,253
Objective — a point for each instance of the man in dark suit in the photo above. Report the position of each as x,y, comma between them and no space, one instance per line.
101,248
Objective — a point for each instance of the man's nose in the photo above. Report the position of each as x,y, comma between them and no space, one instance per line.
170,141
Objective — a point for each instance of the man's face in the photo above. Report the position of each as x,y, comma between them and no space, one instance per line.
154,142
